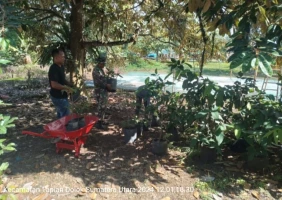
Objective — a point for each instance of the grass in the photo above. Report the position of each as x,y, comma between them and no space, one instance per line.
14,79
210,68
146,65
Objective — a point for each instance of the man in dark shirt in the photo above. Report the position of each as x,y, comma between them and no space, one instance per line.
58,83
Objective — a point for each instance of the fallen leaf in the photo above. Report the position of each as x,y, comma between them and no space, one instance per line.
88,165
93,196
99,185
41,197
155,187
166,198
247,186
78,180
196,194
83,190
158,172
57,166
81,194
216,197
256,194
28,185
220,194
136,183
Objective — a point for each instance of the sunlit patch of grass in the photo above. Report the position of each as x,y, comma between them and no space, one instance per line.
146,65
13,79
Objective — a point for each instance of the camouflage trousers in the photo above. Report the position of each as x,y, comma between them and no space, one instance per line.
101,96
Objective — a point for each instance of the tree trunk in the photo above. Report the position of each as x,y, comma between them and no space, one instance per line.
76,47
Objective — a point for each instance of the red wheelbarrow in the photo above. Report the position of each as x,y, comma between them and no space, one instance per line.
68,139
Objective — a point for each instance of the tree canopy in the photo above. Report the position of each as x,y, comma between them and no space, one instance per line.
187,26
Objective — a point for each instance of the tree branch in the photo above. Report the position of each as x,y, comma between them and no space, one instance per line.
161,4
48,11
44,18
158,38
136,6
205,40
110,44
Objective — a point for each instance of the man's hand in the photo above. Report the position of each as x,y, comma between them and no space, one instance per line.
68,89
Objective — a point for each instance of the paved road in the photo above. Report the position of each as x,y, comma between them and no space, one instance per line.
132,80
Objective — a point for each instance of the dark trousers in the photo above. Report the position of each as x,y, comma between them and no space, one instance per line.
146,102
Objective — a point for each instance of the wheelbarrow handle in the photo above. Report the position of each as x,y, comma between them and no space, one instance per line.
43,135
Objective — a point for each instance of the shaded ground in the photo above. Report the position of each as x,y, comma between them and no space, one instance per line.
107,168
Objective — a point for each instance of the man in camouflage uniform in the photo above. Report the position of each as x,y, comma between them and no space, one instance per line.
100,89
142,94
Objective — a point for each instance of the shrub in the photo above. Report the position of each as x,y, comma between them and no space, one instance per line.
5,122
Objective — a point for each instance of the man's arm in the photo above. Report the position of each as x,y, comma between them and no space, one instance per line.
58,86
68,83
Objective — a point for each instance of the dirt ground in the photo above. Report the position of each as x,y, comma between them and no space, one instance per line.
106,168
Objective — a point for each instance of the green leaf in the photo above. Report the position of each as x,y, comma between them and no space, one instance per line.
173,60
277,134
167,75
276,138
189,65
265,65
9,148
3,130
4,166
249,106
2,140
219,98
178,74
237,133
254,62
262,12
219,136
216,115
246,66
147,80
237,61
201,115
4,62
208,90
